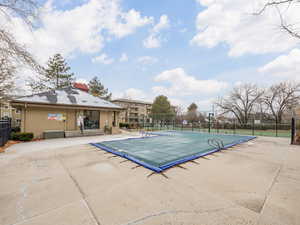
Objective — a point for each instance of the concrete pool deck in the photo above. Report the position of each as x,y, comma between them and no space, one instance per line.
68,182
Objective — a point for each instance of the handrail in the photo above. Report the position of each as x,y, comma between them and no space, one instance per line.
216,142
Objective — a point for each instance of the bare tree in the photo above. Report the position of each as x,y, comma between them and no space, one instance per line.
241,101
291,29
282,97
25,9
7,71
13,54
179,113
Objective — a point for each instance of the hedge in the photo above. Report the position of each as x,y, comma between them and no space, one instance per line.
25,136
124,125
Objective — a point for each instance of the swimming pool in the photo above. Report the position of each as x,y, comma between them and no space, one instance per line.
166,149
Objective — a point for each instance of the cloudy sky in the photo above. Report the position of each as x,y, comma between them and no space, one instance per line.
189,50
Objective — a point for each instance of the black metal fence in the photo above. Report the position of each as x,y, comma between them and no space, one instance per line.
261,129
5,128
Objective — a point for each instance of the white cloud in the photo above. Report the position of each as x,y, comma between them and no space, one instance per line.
123,58
163,24
183,30
182,84
130,21
84,28
205,105
154,40
285,66
147,60
103,58
138,94
176,101
132,93
82,81
232,22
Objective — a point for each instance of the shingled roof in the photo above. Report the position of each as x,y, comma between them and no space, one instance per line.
67,96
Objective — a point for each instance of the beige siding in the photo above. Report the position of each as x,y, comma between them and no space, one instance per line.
104,119
71,120
35,119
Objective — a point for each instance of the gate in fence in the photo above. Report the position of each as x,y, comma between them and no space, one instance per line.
5,128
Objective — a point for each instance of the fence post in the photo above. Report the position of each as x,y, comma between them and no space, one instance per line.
293,131
209,123
253,127
276,128
234,127
1,136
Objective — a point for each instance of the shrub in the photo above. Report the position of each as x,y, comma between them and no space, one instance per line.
124,125
18,136
15,129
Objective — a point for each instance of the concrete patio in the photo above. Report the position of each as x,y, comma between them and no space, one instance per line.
68,182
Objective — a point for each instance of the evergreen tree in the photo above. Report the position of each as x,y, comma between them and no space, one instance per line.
161,108
55,76
192,114
97,89
192,108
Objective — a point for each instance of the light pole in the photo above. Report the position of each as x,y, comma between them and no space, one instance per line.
209,119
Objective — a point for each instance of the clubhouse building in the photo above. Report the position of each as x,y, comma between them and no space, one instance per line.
66,112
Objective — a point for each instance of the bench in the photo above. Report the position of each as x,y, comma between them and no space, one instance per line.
49,134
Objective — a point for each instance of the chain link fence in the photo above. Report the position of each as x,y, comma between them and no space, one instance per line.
270,129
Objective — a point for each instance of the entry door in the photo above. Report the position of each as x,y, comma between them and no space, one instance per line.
91,119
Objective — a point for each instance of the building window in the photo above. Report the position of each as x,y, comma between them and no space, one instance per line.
91,119
18,122
5,114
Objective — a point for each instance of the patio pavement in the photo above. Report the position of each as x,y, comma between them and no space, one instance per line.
68,182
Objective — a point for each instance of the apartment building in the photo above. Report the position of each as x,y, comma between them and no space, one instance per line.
135,111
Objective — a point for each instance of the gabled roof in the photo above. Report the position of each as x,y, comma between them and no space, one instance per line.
131,101
67,96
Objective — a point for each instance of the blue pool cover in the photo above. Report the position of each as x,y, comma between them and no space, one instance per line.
169,148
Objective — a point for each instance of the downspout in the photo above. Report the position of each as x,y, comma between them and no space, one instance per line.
25,112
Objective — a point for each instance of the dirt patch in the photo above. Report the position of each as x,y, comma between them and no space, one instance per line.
9,143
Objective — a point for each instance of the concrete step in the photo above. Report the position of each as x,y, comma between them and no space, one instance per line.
93,132
73,133
77,133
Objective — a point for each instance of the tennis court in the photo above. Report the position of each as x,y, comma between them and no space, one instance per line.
166,149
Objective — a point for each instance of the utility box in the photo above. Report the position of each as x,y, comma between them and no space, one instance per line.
49,134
